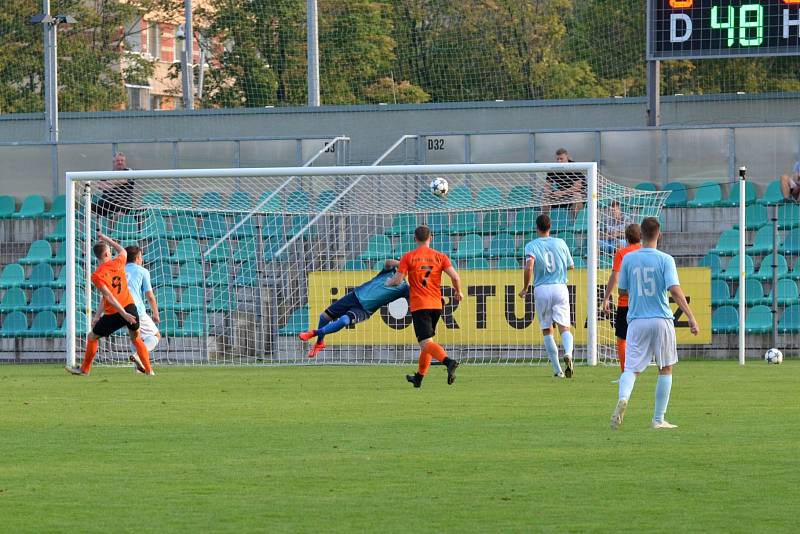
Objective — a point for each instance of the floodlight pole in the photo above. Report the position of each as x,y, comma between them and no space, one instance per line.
188,57
742,273
50,73
653,93
312,24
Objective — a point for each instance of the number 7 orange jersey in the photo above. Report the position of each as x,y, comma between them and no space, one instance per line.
423,266
111,274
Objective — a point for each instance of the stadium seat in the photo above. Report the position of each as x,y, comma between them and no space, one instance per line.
464,222
190,274
772,194
731,272
61,255
240,201
58,209
758,320
298,202
32,207
43,299
180,202
728,243
187,250
13,300
581,221
442,243
246,229
192,298
183,226
247,274
271,246
157,250
438,223
273,205
223,300
125,228
296,225
519,195
210,200
707,195
356,265
508,263
8,206
165,297
571,241
405,244
221,252
677,197
790,320
194,324
712,261
750,194
169,323
470,246
478,264
296,323
61,280
378,247
214,225
489,197
459,198
795,273
579,261
426,201
153,199
41,276
502,245
762,242
792,244
523,222
765,269
39,251
720,293
324,199
646,186
403,224
44,325
273,227
789,216
15,324
219,275
755,216
753,293
492,222
59,233
725,320
787,293
560,219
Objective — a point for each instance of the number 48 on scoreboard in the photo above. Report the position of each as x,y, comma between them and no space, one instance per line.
686,29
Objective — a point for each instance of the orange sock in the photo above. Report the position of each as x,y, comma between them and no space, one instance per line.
436,350
141,350
424,362
621,353
91,352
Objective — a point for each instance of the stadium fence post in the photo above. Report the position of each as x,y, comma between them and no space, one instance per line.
742,274
591,265
775,276
69,320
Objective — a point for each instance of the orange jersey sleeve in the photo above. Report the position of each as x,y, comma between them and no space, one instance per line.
423,268
623,299
111,275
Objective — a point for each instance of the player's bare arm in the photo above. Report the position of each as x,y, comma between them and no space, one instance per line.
116,305
390,263
612,283
396,280
151,298
527,276
451,272
113,244
680,298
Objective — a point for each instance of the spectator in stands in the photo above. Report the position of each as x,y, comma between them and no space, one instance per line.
567,188
116,195
612,228
790,185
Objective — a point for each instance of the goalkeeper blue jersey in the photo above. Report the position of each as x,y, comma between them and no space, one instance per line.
374,294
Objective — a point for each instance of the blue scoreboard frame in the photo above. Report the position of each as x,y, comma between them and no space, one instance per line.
698,29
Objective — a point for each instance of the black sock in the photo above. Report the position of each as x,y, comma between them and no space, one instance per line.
447,361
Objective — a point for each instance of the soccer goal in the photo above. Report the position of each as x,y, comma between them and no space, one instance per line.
242,260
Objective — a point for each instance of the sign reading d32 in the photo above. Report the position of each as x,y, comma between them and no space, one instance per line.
491,313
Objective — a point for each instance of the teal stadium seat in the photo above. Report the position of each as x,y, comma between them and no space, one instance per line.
271,247
579,261
194,324
247,275
222,251
755,216
61,281
753,293
470,246
403,224
166,299
32,208
725,320
523,222
297,322
192,298
509,263
58,209
405,244
795,274
720,293
731,271
296,225
758,320
126,228
492,222
459,198
750,194
156,250
240,201
707,195
772,194
59,233
298,202
43,299
478,264
273,205
790,320
8,206
223,300
463,222
502,245
214,225
442,243
378,247
582,221
245,230
324,199
210,200
13,300
519,195
787,293
153,199
181,201
788,216
154,226
677,197
169,326
61,255
728,243
44,325
489,197
41,276
646,186
712,261
273,226
15,324
560,219
356,265
765,269
187,250
183,226
39,251
219,274
792,244
762,242
190,274
438,222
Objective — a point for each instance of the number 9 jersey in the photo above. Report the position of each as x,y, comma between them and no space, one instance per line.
111,274
552,260
423,266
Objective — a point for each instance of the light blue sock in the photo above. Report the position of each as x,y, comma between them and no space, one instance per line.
566,340
663,387
552,353
626,382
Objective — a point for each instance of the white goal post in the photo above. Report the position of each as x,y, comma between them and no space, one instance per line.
361,203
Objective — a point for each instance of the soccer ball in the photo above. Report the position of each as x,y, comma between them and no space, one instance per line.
439,187
773,356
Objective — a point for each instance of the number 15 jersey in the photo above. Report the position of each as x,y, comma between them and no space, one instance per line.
552,260
423,266
111,274
647,274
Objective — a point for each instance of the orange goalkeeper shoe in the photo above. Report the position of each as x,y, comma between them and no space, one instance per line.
316,349
305,336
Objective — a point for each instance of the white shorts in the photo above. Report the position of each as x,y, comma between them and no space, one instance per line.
648,339
552,304
146,326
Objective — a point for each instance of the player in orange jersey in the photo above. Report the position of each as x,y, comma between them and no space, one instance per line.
118,308
633,235
424,266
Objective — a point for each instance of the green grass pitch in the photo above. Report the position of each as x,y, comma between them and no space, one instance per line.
344,449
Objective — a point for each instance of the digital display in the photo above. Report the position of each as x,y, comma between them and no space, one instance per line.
685,29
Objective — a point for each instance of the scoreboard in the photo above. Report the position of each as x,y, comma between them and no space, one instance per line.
686,29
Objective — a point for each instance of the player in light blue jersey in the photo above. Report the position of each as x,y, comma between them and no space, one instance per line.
140,287
646,276
547,260
356,306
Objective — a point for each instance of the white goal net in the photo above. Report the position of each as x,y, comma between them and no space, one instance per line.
243,260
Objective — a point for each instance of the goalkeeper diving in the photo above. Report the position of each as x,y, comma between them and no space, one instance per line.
356,306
